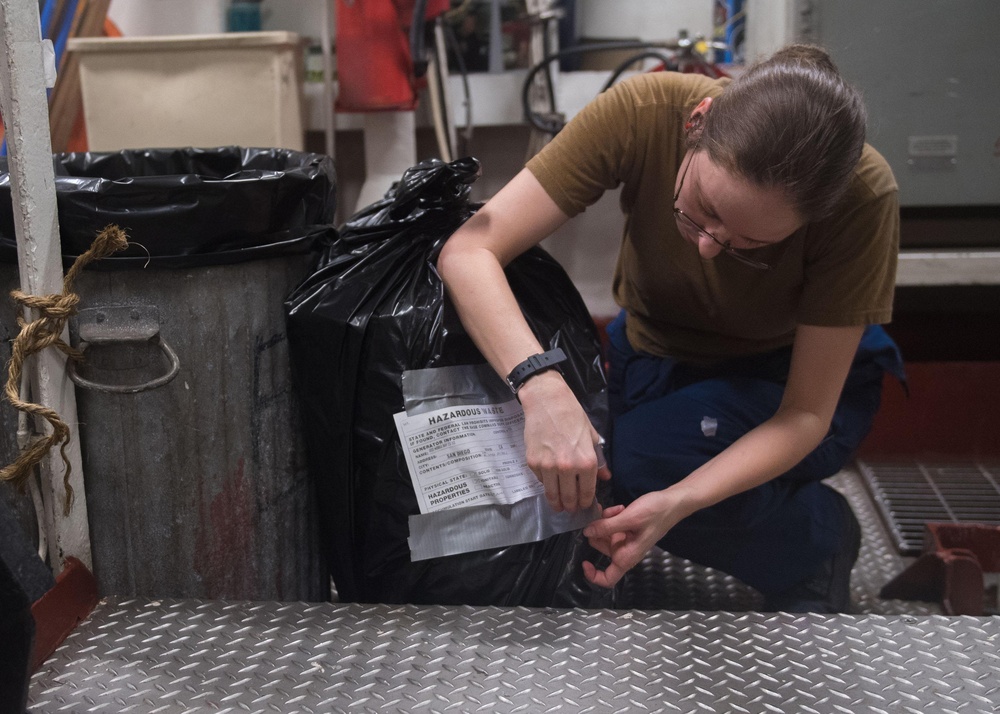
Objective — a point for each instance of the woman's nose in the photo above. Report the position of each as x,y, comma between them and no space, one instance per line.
707,248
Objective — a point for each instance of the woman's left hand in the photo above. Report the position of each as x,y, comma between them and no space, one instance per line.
626,534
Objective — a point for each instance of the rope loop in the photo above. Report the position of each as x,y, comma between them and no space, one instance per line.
52,313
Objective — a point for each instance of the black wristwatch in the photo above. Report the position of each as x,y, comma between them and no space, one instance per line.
532,366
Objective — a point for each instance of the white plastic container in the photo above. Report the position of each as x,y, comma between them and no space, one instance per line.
240,89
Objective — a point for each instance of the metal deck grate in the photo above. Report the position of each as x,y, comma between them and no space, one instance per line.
299,658
144,657
911,493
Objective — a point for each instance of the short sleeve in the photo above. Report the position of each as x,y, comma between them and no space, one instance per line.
591,154
850,271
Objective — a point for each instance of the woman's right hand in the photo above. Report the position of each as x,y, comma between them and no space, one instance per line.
561,443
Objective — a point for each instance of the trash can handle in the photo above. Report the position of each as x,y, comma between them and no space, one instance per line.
116,325
175,366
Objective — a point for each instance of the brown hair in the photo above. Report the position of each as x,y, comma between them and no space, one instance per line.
790,121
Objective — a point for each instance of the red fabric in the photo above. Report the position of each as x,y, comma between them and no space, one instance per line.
374,69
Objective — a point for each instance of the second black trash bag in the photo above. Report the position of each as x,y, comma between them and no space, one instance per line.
375,308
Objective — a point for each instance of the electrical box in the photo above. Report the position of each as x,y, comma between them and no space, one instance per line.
929,73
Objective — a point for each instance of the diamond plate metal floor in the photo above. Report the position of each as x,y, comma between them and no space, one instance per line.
194,656
663,581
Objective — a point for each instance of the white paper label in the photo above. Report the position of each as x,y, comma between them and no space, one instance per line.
467,456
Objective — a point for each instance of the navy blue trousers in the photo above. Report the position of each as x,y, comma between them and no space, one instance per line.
772,536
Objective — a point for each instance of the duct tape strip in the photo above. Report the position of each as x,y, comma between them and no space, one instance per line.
425,390
463,530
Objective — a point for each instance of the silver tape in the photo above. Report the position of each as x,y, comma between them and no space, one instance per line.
463,530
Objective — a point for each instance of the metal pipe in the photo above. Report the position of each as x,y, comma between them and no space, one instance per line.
329,120
26,116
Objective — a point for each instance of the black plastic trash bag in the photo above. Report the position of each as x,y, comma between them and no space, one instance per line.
374,309
187,207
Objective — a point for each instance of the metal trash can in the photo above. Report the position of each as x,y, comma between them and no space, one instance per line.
192,450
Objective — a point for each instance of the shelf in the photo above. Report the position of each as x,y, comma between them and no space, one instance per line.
948,267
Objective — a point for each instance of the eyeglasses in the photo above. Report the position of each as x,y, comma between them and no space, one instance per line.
684,220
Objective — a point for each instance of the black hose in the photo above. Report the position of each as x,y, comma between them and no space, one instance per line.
623,67
554,126
452,42
418,46
549,83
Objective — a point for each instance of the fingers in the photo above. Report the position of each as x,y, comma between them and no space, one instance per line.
624,552
568,491
609,524
612,511
570,477
626,533
606,578
552,491
586,490
607,546
612,536
606,542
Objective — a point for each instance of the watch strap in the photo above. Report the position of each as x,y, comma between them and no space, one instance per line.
532,366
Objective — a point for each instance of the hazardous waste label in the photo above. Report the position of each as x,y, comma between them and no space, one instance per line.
467,456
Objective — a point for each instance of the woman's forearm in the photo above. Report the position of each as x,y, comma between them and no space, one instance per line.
821,359
472,261
760,455
489,312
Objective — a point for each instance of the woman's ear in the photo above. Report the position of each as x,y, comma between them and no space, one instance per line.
703,107
696,120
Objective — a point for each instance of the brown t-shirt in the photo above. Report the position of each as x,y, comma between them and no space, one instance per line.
835,272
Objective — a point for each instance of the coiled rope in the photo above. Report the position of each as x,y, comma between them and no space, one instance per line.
46,331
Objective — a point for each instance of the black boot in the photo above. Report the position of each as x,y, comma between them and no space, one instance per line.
829,588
